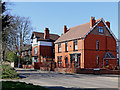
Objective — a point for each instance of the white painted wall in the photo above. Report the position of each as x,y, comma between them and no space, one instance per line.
42,43
35,43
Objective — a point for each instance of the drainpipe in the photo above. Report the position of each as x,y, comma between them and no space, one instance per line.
82,52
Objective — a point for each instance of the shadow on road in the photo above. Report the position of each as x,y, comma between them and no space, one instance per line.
25,70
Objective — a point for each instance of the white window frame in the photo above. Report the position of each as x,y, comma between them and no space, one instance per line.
35,50
59,47
75,44
66,46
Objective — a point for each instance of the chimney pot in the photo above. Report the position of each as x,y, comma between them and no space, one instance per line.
64,29
92,21
108,23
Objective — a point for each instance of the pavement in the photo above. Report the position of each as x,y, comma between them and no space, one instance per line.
60,81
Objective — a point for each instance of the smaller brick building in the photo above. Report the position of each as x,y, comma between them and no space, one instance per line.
26,53
89,45
43,47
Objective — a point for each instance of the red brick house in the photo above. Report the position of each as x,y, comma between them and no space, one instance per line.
43,47
89,45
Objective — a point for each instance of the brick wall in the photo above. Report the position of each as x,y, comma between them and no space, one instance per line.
64,70
101,71
28,66
64,54
46,51
91,53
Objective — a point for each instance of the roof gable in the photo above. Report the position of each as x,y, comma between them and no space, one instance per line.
105,26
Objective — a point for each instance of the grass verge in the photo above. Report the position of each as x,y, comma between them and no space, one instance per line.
20,85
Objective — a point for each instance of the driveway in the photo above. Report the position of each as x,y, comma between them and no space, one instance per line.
58,81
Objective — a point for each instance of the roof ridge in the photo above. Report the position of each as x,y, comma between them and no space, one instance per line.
54,34
80,25
86,23
43,33
37,32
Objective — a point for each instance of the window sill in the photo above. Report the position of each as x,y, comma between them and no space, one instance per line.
101,33
75,50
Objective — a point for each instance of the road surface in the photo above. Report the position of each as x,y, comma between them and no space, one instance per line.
58,81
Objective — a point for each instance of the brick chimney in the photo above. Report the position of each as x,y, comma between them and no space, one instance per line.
46,33
64,29
108,23
92,22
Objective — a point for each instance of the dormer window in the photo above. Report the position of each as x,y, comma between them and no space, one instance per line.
100,29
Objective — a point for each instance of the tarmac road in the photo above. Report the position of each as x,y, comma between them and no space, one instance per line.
58,81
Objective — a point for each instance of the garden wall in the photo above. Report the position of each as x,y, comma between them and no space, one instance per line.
87,71
45,68
64,70
28,66
95,71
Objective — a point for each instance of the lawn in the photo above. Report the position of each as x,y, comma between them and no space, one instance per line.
20,85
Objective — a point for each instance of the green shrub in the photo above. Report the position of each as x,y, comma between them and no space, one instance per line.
9,72
11,56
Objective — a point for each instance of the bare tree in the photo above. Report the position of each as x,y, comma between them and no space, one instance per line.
23,32
16,31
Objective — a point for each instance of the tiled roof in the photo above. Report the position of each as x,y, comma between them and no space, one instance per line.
26,47
75,32
40,36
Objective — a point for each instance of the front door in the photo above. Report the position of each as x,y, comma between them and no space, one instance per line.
75,58
77,61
